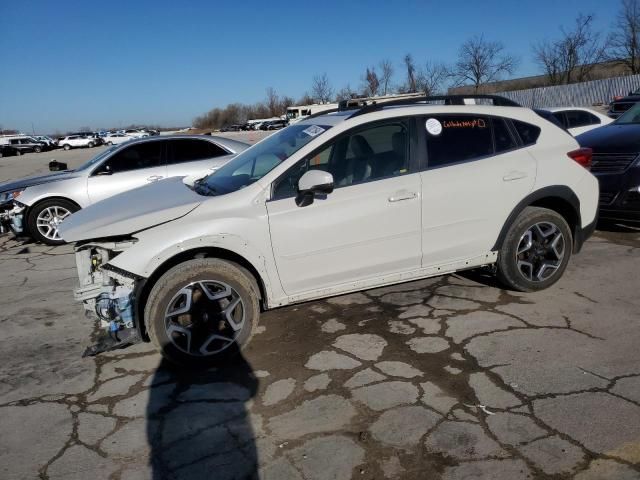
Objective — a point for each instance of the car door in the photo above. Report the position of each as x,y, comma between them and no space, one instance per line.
476,173
369,226
190,156
128,168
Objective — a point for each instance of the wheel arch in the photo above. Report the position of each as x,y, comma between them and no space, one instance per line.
30,208
143,290
558,198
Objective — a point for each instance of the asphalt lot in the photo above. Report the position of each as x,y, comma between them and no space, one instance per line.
447,378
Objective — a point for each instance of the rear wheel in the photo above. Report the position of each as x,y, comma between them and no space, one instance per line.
535,251
45,218
202,312
110,143
91,144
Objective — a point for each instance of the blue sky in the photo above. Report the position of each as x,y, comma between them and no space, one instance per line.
68,64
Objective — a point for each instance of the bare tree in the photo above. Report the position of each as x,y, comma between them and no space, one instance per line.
306,99
286,102
410,85
273,102
371,82
624,41
432,77
321,89
481,61
573,56
345,93
386,74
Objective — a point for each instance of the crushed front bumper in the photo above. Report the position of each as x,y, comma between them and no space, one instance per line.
108,295
12,217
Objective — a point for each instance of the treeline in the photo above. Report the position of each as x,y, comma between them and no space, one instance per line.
571,57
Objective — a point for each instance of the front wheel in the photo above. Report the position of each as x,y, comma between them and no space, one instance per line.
535,251
37,149
18,153
67,147
91,144
45,218
202,312
110,144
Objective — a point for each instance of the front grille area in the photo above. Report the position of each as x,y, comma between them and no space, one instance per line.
612,162
607,198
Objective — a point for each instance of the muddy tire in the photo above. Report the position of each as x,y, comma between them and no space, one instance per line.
535,251
202,312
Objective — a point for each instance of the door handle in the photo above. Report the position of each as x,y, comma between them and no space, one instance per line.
154,178
399,196
514,175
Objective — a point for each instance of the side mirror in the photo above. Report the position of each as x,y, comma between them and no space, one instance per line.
56,166
313,184
106,170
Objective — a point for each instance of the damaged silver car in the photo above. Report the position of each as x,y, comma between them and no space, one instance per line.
36,206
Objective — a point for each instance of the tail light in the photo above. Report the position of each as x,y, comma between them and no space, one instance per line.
582,156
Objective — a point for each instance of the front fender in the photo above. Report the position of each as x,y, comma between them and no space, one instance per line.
133,261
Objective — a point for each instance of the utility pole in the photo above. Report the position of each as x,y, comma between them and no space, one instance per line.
33,130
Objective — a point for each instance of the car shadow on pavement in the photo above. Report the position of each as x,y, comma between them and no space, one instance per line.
198,425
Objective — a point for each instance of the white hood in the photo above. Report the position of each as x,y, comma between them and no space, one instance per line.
131,211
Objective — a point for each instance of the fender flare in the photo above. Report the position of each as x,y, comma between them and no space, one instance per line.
562,192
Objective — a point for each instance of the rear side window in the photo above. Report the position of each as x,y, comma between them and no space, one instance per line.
528,133
580,118
190,150
457,138
502,136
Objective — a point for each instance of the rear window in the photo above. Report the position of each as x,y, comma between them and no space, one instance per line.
528,133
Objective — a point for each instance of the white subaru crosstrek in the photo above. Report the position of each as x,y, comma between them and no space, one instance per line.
336,203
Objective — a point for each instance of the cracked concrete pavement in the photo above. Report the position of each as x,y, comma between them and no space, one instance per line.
445,378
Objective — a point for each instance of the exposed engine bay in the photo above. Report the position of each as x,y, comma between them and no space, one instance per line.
107,294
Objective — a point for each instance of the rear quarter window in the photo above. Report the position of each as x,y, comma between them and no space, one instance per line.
528,133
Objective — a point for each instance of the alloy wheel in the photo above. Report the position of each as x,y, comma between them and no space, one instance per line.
540,251
204,318
48,221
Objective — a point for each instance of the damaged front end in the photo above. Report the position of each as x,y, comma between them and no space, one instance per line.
108,294
12,217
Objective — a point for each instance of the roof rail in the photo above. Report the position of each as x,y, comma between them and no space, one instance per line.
497,100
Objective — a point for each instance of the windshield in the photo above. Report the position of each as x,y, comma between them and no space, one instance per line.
254,163
630,116
95,160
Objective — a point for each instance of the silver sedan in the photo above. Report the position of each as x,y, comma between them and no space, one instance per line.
40,203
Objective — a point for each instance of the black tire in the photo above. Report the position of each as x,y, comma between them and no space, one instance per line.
110,144
37,149
168,288
66,146
18,153
91,144
38,209
521,271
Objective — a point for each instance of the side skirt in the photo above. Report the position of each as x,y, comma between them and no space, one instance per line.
383,281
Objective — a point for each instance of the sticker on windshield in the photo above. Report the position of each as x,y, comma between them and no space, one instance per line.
313,130
434,127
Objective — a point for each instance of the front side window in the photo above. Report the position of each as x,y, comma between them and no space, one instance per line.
365,155
191,150
252,164
134,157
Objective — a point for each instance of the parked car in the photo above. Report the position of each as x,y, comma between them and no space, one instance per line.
274,125
579,120
76,141
136,133
616,164
27,145
116,138
333,204
44,201
48,141
231,128
619,105
8,151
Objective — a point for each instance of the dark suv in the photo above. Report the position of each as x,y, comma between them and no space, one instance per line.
616,164
26,145
621,105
